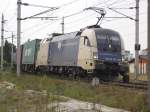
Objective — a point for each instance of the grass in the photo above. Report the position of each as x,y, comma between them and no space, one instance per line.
132,100
141,77
23,102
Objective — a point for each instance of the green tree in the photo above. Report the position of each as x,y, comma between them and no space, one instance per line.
7,51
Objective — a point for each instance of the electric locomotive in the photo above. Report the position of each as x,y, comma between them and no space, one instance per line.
92,51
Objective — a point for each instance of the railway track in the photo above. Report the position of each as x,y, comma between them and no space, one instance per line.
133,85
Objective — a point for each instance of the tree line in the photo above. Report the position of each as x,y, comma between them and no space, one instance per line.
7,49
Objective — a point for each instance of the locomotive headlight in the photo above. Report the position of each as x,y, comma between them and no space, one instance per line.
95,55
123,59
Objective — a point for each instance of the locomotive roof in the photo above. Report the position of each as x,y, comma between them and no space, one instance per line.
73,35
65,36
99,29
106,31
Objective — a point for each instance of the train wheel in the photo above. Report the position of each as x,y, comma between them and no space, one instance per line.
126,78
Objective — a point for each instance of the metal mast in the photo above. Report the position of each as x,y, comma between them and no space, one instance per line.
2,40
12,51
63,27
137,45
18,35
148,40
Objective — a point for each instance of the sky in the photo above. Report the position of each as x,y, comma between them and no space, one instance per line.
41,28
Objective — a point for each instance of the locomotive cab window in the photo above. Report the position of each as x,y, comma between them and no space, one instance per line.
109,42
86,41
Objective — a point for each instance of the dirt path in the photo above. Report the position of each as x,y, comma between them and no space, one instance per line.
73,105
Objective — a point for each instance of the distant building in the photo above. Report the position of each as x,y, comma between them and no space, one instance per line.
144,53
143,61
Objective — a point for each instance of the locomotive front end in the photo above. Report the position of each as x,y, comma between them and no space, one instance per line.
108,58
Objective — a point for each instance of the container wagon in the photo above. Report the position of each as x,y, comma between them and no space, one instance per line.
29,55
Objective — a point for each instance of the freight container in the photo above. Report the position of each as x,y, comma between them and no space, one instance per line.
30,50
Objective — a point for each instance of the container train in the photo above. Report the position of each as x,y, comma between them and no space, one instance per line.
92,51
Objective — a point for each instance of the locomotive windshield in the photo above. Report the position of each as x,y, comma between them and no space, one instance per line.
108,42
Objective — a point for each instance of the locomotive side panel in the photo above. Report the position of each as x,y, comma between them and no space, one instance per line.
64,52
